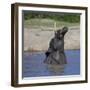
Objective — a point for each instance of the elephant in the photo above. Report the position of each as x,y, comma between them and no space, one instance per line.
55,54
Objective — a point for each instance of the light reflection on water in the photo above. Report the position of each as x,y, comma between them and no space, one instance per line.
33,65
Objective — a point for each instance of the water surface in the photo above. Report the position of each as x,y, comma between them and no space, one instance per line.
33,65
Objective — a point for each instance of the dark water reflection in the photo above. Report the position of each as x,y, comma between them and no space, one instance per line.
33,65
56,69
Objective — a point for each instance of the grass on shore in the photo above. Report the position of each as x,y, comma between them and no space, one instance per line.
47,23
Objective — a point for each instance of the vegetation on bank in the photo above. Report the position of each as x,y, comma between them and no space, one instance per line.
65,17
49,20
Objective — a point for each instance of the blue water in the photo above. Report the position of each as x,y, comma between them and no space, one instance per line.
33,65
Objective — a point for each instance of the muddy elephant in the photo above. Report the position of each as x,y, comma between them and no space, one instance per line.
55,53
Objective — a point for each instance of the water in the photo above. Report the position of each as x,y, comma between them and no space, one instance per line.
33,65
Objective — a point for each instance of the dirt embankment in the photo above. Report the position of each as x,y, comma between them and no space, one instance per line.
39,39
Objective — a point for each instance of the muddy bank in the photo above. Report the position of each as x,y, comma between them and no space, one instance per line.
35,39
